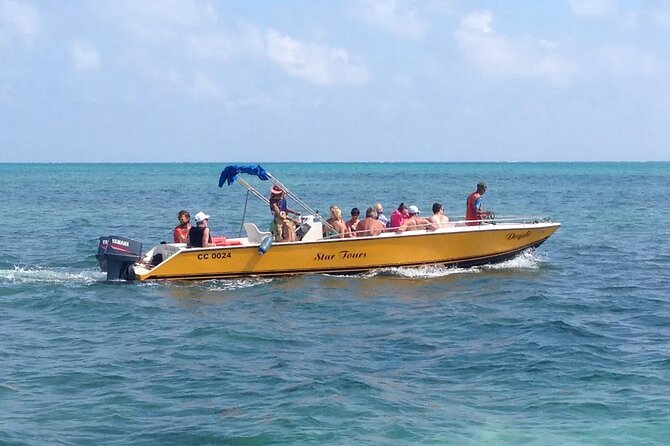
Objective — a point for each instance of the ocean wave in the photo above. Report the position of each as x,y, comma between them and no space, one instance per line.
35,274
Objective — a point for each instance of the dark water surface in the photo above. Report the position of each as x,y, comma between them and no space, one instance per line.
566,345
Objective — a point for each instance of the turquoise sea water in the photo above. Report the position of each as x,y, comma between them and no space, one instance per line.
566,345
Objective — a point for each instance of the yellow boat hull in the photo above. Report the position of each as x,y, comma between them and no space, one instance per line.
456,246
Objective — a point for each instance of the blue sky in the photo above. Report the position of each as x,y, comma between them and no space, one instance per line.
350,80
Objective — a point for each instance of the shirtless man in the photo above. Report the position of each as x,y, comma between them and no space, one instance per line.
370,226
414,222
441,220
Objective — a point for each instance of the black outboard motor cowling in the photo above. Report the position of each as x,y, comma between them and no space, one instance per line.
100,255
119,255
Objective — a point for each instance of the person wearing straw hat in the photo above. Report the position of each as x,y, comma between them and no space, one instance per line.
199,236
278,205
278,202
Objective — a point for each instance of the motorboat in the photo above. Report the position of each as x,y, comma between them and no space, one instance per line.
257,254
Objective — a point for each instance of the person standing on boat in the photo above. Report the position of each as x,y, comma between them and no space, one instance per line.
414,222
278,205
379,209
199,236
353,222
438,217
180,233
398,216
370,225
473,211
278,202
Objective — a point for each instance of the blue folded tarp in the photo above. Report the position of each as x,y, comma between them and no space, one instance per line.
229,174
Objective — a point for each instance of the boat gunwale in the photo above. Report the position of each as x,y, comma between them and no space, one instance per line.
386,234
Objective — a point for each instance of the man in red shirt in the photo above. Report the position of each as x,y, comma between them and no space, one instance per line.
473,211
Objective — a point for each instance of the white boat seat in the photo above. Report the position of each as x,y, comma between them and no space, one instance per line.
254,234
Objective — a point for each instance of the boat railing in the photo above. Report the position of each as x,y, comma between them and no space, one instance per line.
524,219
518,219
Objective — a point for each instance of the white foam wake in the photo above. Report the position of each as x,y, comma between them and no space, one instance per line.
529,259
236,284
526,260
35,274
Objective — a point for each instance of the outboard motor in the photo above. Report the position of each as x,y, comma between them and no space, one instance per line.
102,245
119,255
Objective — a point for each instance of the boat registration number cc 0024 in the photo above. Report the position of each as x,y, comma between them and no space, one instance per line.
214,256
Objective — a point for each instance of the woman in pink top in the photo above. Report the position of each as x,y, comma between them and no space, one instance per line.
398,216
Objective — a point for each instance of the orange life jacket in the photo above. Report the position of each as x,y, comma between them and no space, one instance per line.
470,211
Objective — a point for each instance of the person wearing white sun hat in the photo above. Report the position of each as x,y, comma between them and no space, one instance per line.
199,236
414,222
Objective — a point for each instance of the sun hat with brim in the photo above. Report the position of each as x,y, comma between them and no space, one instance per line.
200,216
413,210
276,190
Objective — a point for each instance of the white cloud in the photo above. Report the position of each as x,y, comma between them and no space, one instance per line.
506,57
214,45
314,62
84,56
593,8
188,32
156,21
662,16
628,60
394,16
18,20
205,87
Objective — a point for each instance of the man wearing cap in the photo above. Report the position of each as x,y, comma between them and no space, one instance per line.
199,236
414,222
473,211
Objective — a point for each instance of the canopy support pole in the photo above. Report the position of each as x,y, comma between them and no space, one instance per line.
301,203
244,214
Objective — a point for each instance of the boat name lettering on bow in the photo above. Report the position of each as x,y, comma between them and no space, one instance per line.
214,256
344,254
515,236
